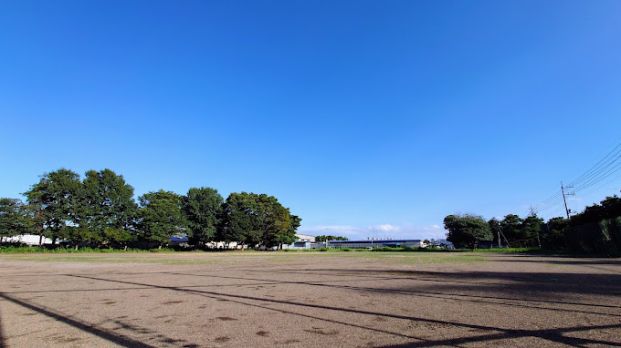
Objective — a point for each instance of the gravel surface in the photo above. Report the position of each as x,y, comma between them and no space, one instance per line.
356,299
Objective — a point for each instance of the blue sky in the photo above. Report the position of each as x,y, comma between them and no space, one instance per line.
366,118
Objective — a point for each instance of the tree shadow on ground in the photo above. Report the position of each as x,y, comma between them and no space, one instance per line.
539,282
549,289
557,259
105,334
3,343
453,293
458,293
554,335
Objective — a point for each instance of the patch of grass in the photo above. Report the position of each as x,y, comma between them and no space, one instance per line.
392,249
396,256
112,258
235,257
510,251
11,249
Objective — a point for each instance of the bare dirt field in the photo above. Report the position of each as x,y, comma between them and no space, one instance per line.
355,299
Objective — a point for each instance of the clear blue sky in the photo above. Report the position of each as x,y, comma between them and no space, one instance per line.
370,118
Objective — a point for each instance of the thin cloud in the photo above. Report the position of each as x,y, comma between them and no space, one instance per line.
384,228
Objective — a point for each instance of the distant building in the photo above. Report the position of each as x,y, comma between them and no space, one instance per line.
28,239
302,241
304,238
382,243
440,243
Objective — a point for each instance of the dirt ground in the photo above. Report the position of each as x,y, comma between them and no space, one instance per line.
355,299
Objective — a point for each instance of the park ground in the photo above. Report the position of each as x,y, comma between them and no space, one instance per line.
308,299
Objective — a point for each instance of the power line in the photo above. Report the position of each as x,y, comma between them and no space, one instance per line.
615,154
600,171
603,184
600,177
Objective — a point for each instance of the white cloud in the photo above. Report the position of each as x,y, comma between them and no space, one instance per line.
384,228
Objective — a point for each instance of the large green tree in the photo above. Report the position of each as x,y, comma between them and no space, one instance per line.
107,208
512,229
277,223
241,220
496,229
202,207
532,227
253,219
289,237
55,201
160,217
14,218
554,234
467,230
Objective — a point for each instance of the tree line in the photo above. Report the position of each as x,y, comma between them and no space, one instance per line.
596,230
100,211
323,238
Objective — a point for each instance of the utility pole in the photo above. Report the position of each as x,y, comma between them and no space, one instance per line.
565,194
533,212
498,232
506,240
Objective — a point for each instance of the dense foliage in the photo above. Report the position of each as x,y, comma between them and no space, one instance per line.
467,230
107,209
323,238
55,200
14,217
100,211
160,217
254,219
596,230
202,208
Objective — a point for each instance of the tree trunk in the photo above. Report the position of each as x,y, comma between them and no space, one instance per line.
40,239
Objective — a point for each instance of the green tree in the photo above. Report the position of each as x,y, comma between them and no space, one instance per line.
14,218
160,217
323,238
202,208
253,219
277,223
496,229
240,220
609,208
531,230
554,234
289,237
467,230
107,208
55,200
512,229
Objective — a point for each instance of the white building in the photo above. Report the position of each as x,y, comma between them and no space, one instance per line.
28,239
304,238
302,241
